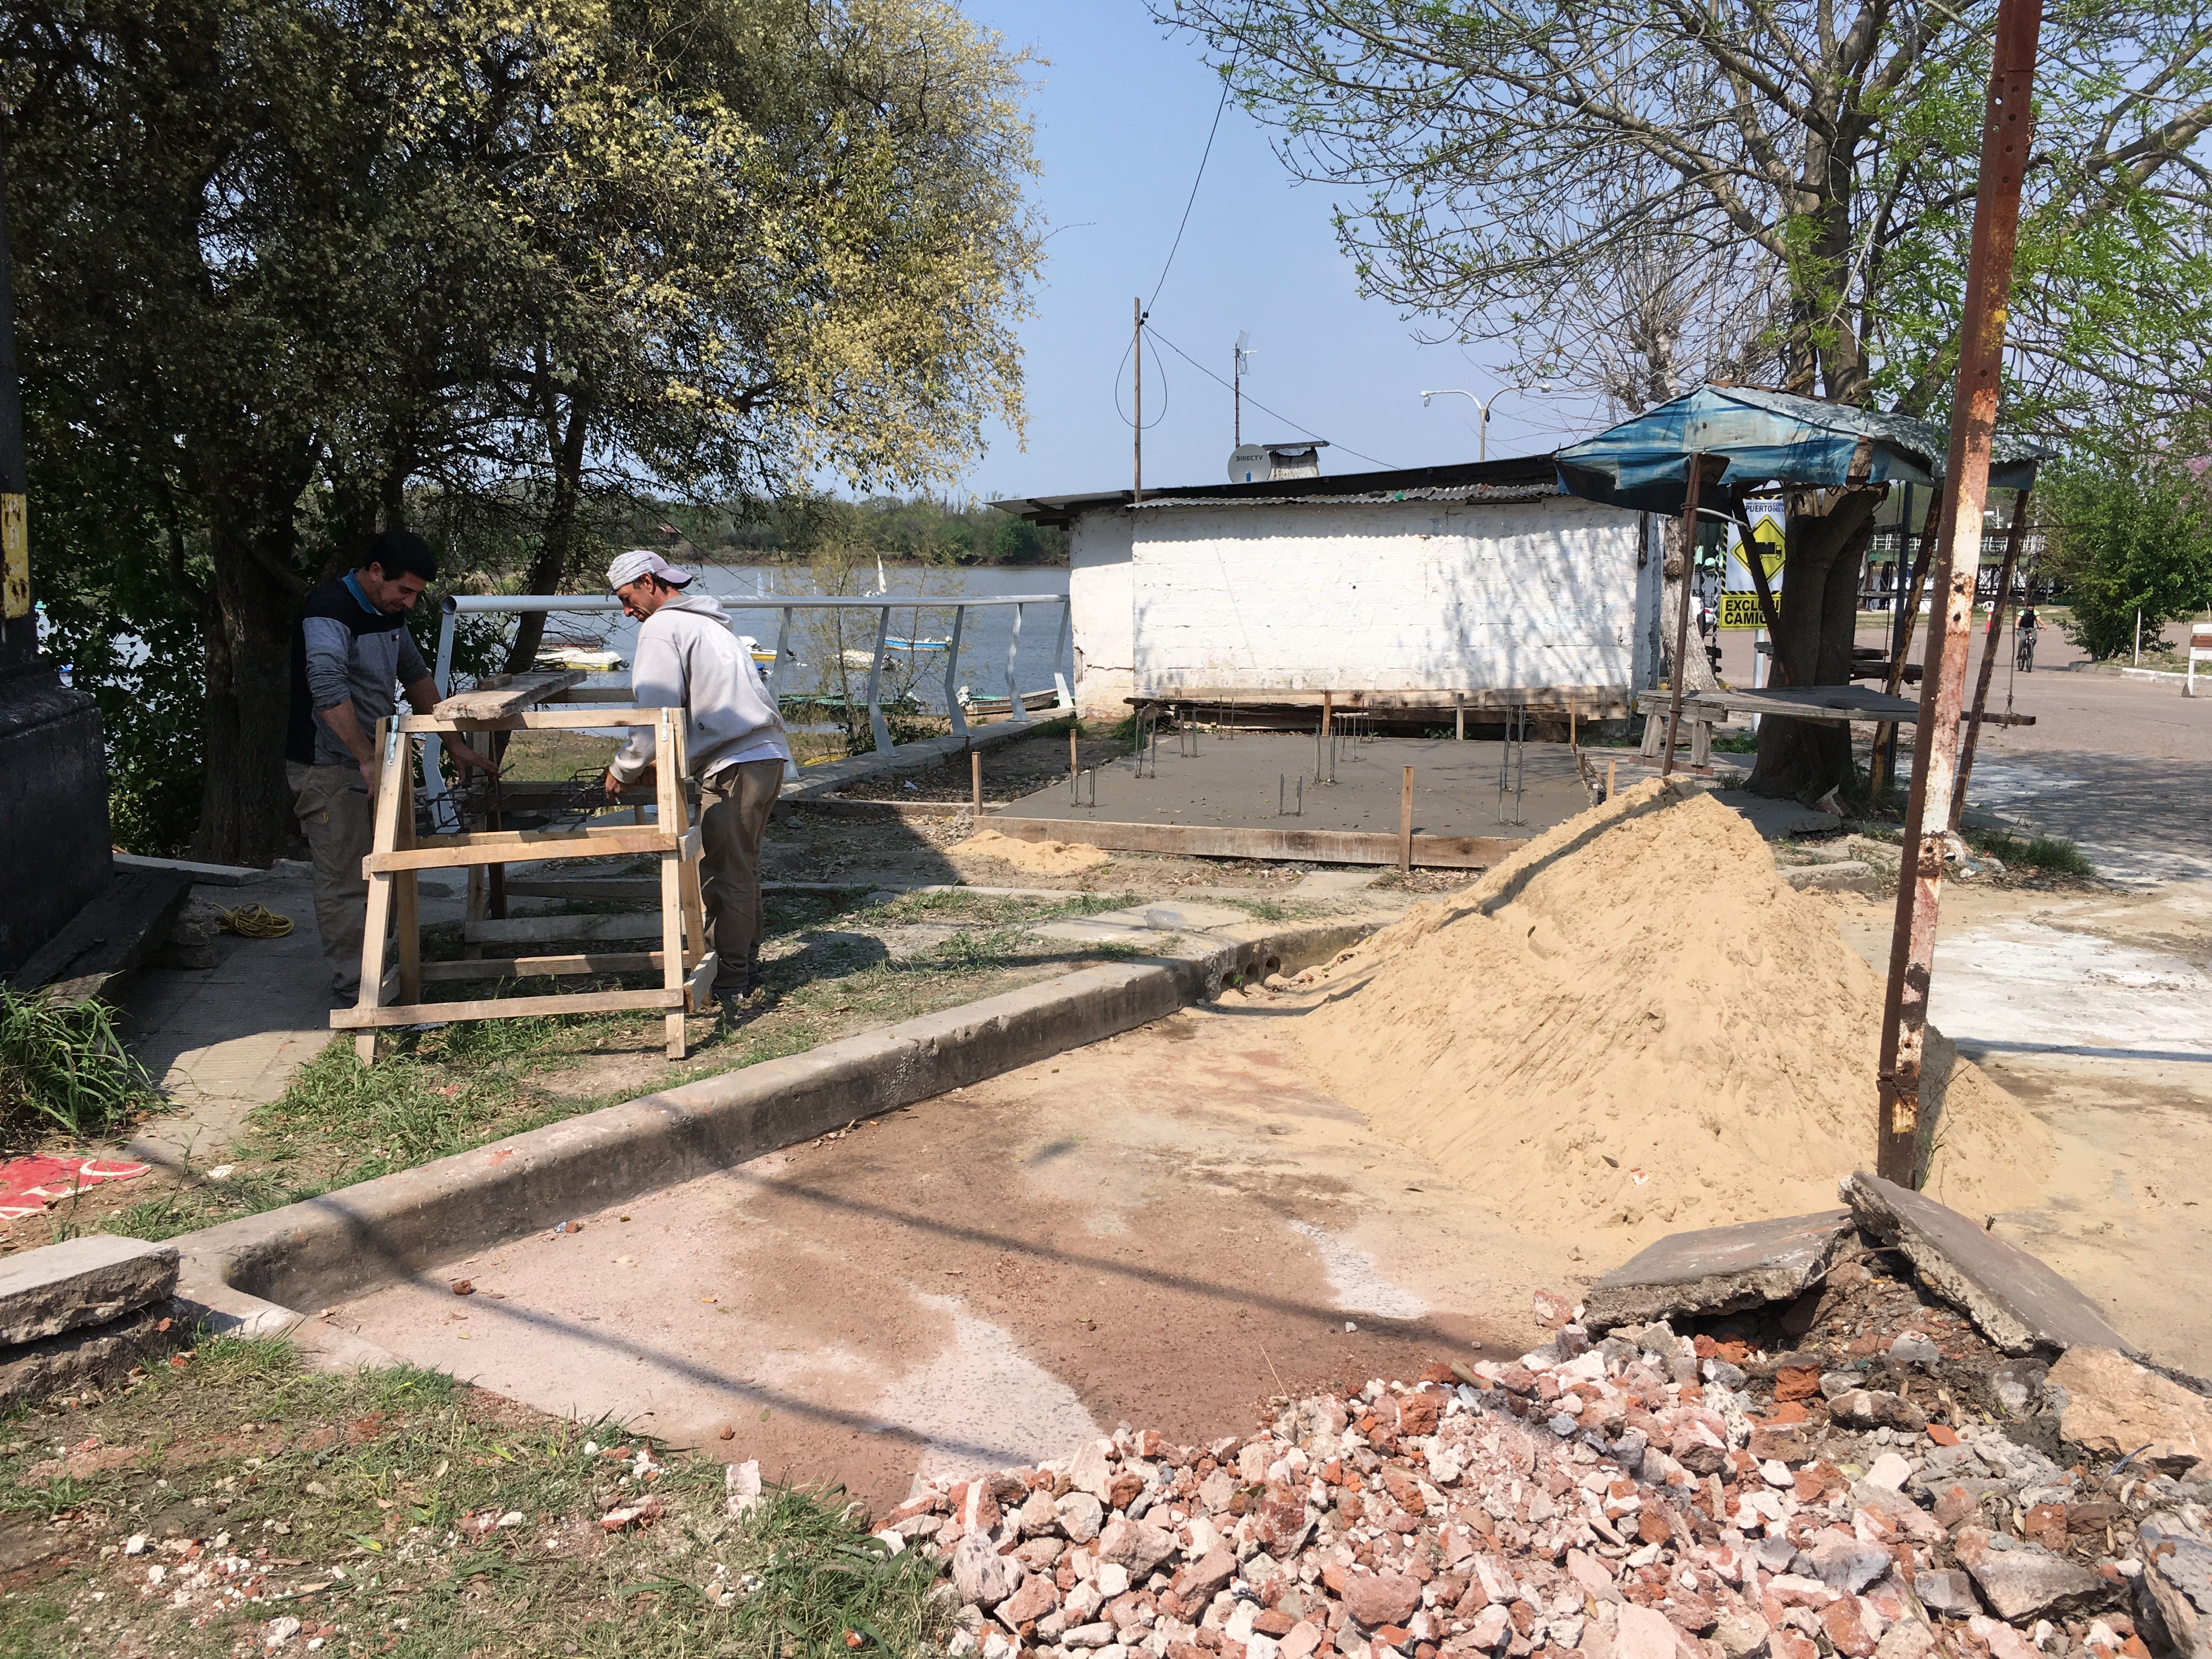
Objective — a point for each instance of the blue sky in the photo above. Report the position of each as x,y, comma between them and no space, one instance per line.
1122,109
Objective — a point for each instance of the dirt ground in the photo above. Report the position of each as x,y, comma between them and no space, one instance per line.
1161,1229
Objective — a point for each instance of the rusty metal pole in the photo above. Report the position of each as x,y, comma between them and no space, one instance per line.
1137,425
1990,640
1682,611
1958,549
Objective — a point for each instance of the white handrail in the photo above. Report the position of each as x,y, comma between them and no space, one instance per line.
456,605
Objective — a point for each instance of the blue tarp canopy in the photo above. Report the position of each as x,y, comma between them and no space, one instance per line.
1768,438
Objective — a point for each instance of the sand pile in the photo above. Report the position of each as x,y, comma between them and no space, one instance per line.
1039,858
1637,1025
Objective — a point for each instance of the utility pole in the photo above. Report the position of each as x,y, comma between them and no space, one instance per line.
1136,353
2005,132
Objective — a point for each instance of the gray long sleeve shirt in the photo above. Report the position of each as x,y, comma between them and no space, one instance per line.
346,650
687,657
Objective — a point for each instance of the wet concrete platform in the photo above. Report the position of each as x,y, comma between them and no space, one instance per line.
1236,782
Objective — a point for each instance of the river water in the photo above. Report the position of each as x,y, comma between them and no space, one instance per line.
819,642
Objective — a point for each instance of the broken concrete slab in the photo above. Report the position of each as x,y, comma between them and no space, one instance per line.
1719,1270
2115,1407
80,1281
2177,1580
2020,1304
2032,1583
77,1357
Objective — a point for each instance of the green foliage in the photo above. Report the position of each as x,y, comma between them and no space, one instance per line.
1551,175
63,1069
2123,536
292,271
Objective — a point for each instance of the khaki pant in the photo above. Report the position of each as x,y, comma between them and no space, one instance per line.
734,808
336,817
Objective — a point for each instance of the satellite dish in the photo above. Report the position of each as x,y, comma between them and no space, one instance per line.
1251,464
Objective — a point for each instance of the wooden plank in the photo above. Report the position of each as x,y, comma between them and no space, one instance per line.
536,719
611,962
835,806
626,889
456,852
532,930
615,694
392,760
506,695
578,1002
1312,846
115,930
668,787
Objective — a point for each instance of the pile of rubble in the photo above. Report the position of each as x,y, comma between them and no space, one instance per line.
1889,1486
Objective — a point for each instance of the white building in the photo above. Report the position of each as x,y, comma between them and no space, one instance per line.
1484,583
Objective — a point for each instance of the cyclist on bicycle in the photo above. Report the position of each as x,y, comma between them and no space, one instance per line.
2025,629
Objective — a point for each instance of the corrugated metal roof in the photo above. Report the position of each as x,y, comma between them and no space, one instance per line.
1519,478
1528,492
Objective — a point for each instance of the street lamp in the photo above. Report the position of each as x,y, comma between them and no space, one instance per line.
1482,447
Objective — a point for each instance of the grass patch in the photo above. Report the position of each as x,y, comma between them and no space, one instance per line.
399,1512
2051,852
64,1072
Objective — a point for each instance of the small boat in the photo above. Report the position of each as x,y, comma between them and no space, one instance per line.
576,656
898,644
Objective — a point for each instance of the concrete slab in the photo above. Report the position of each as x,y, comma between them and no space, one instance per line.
1718,1270
80,1281
221,1041
1777,819
1336,884
1233,782
2020,1304
1164,1227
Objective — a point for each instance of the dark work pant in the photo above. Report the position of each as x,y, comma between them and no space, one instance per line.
733,808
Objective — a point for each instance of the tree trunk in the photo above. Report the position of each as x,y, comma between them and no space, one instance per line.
1826,539
555,546
245,805
1697,675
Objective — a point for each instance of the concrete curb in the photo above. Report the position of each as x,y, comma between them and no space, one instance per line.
250,1276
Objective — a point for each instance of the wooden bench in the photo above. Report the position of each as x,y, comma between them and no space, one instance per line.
1703,710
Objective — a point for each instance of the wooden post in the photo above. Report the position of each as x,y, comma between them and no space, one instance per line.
406,905
1682,611
1459,721
975,780
668,788
1406,823
384,795
2006,126
1611,767
1074,765
1991,639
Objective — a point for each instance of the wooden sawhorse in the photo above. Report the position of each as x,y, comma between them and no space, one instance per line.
396,856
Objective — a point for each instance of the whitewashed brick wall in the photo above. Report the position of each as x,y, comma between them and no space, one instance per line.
1412,596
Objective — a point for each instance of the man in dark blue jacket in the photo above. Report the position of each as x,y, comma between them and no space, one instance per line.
352,651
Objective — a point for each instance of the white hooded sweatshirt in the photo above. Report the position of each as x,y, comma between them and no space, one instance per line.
688,658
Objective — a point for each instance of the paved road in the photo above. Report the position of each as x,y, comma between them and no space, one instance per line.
2122,767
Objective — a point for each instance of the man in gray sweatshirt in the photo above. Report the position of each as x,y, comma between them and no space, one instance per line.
688,658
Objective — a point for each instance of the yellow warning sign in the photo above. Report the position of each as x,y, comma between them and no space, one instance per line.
1741,611
15,557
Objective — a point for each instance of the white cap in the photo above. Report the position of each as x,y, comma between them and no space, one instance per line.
644,561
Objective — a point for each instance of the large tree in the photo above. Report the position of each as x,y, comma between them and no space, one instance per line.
284,258
1489,141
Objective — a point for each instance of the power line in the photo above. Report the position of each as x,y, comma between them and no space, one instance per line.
1191,200
1387,467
